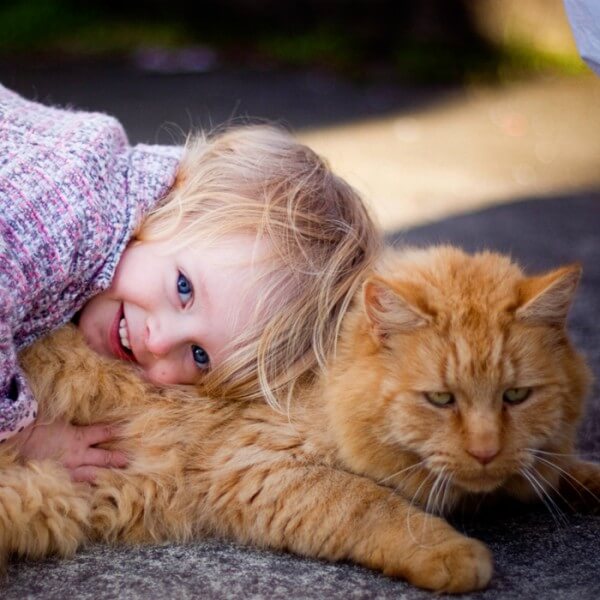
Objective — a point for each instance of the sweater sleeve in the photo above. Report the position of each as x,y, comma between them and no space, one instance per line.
72,192
18,407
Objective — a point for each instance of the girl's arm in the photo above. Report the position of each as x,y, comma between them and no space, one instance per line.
72,446
18,407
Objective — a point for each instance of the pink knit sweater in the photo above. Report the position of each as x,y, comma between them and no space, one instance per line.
72,192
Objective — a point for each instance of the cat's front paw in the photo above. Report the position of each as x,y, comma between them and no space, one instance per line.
459,564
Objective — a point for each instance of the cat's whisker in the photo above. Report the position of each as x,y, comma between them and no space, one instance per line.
438,503
448,483
550,485
437,493
570,479
404,470
430,504
431,492
418,490
563,520
543,495
580,455
432,501
534,486
430,496
416,509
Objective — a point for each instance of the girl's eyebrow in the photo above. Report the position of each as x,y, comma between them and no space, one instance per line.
198,285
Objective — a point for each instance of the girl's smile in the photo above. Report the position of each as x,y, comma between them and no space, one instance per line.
118,338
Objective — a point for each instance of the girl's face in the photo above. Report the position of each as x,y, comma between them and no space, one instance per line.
175,313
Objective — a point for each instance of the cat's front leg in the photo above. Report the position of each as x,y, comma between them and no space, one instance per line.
426,551
580,486
321,512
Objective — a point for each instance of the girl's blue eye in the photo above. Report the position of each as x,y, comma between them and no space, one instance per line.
184,288
200,357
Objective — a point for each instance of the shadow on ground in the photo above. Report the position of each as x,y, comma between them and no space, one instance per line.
156,108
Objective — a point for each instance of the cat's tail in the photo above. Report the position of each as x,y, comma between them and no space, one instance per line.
41,511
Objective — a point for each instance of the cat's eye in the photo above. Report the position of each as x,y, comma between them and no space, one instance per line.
440,398
516,395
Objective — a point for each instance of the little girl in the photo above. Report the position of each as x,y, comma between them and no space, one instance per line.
227,264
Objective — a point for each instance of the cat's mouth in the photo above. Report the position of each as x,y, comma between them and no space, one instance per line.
482,481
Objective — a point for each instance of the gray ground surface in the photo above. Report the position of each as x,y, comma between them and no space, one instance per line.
535,559
538,556
157,108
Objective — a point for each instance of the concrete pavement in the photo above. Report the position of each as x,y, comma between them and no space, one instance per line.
480,146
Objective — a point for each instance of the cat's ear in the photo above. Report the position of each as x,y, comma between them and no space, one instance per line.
393,306
546,298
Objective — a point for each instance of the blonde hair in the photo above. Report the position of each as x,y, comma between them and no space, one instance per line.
259,180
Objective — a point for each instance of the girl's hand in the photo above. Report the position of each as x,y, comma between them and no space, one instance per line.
72,446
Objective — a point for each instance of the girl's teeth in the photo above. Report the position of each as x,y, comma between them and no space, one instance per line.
123,334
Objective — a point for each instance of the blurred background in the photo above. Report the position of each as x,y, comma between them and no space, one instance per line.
429,108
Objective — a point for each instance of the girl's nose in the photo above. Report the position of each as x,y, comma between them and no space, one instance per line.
159,339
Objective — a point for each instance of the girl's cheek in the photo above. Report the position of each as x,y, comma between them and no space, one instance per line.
165,375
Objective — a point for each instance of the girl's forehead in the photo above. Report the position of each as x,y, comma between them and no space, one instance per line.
232,249
227,249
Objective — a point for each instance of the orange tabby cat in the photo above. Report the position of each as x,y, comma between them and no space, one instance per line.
453,376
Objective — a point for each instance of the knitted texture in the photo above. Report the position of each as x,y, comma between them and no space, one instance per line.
72,192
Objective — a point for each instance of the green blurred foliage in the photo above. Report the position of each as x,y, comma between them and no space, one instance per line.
323,45
32,24
434,40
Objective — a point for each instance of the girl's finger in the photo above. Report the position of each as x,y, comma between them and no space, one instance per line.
86,474
99,433
97,457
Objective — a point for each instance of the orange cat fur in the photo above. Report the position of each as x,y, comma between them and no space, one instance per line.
414,414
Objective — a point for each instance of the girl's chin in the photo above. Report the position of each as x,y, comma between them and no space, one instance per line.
93,339
97,347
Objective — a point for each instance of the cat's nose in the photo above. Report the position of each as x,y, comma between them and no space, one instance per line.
484,454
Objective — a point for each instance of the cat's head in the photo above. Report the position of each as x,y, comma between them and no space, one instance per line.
462,362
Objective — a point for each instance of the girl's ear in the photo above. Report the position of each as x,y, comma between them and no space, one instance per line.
546,299
394,307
